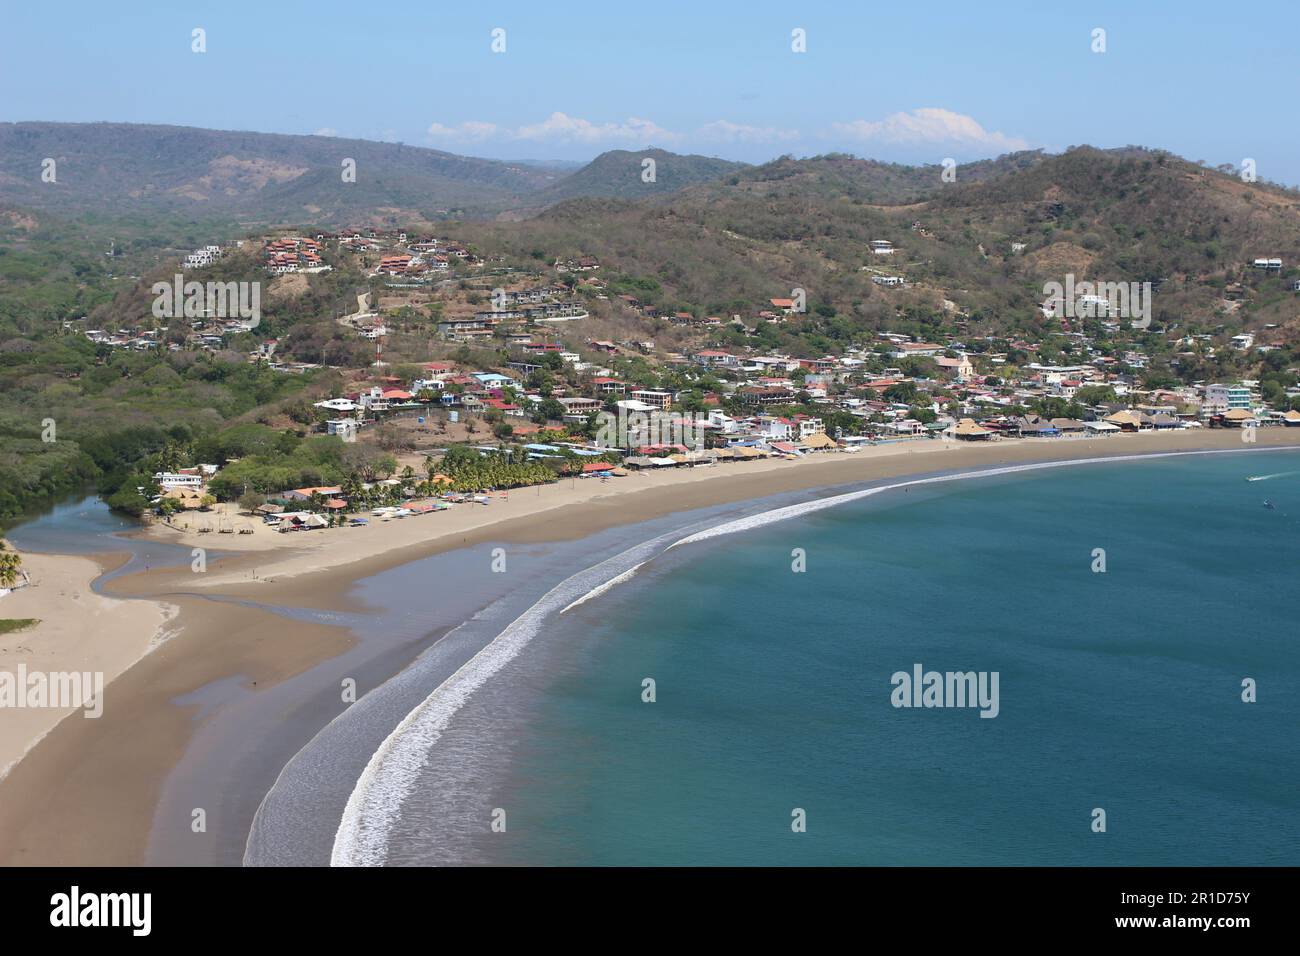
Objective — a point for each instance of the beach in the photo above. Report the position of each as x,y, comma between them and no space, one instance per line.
87,793
76,630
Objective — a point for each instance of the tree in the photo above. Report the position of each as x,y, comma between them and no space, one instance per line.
10,566
901,392
250,501
1095,395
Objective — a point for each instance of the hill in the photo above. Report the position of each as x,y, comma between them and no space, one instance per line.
618,174
979,249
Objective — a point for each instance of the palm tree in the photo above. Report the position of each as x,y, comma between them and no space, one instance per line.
10,566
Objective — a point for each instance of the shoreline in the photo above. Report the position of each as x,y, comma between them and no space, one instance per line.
128,757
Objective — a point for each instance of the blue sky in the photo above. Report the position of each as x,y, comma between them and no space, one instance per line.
910,82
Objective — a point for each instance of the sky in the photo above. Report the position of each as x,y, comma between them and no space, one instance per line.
906,82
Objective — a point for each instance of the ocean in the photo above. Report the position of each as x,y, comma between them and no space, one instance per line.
1120,689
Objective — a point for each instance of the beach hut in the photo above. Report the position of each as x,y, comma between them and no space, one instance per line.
1067,426
819,441
1237,417
1034,426
189,498
968,430
1101,428
1291,419
1125,420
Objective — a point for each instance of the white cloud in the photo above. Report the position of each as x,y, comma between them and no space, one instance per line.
557,128
326,131
560,127
728,132
469,131
930,125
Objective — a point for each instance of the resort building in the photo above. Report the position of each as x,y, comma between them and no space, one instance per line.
651,396
1220,399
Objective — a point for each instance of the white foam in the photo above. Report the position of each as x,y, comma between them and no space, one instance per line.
601,589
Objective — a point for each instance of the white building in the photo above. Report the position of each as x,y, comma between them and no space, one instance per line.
652,396
811,426
345,428
168,480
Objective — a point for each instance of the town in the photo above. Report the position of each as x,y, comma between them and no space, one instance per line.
522,385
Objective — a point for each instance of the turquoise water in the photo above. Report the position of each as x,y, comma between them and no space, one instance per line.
1118,690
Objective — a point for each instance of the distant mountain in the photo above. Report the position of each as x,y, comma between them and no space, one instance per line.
254,179
561,165
124,169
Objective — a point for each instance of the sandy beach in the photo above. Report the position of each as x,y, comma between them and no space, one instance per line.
77,630
86,793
